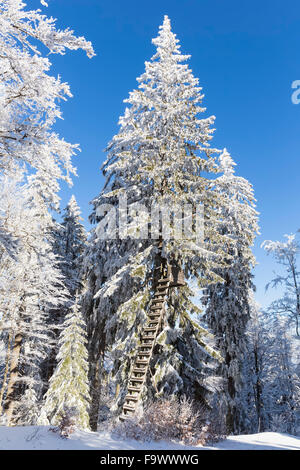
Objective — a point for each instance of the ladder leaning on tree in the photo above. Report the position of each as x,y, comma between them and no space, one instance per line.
170,277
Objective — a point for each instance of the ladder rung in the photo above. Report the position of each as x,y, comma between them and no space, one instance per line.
139,370
139,367
123,417
148,337
142,362
134,389
150,328
128,407
163,280
144,354
136,379
131,397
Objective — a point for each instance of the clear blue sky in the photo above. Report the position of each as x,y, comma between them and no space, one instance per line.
246,55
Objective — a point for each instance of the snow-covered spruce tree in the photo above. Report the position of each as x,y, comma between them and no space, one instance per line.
33,286
29,95
69,385
158,159
73,239
228,302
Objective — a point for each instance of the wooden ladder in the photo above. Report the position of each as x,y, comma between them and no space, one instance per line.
149,334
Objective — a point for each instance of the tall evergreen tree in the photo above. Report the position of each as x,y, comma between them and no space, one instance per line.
72,241
228,302
159,159
69,386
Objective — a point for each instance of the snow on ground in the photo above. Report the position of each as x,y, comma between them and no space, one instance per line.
41,438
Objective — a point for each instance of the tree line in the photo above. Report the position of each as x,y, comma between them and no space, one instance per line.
73,304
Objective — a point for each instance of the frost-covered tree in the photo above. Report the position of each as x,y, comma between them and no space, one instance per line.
286,254
29,96
272,399
284,383
69,240
31,281
69,385
228,302
159,160
72,241
255,401
31,285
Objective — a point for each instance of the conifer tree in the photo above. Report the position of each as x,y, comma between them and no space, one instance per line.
158,160
69,387
72,244
228,302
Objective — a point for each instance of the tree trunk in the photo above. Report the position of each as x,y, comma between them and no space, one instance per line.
258,393
12,390
95,395
7,361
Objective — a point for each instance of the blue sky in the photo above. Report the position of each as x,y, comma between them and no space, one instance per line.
246,56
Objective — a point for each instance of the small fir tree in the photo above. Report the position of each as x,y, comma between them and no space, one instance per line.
69,386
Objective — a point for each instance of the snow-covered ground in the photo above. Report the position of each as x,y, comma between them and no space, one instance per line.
41,438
